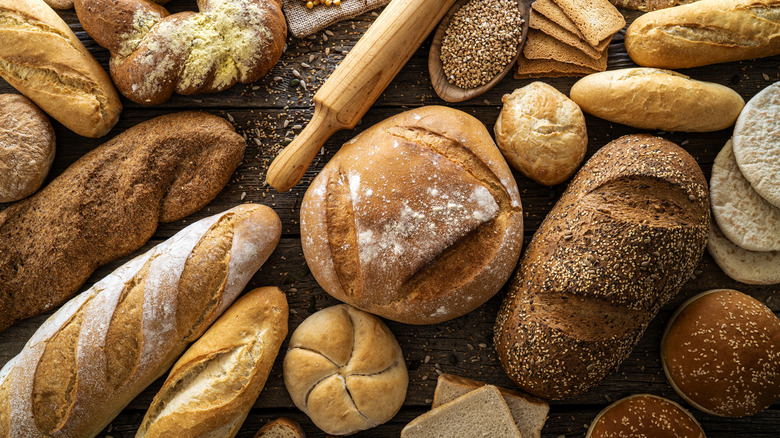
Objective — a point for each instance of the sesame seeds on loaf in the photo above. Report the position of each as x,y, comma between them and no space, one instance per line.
619,243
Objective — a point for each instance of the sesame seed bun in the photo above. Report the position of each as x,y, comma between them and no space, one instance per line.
644,415
721,353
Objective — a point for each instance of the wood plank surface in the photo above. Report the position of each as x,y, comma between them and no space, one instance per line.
271,111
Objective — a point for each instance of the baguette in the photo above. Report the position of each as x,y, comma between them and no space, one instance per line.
620,242
42,58
107,205
213,385
705,32
94,355
650,98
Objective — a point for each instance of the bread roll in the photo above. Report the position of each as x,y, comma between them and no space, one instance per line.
108,204
644,415
42,58
26,147
417,219
620,242
103,347
542,133
649,98
720,353
212,387
281,428
345,370
705,32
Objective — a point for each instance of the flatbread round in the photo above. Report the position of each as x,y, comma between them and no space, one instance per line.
757,143
750,267
743,216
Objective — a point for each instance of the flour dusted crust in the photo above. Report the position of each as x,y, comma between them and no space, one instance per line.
742,215
757,142
417,219
154,54
541,132
345,370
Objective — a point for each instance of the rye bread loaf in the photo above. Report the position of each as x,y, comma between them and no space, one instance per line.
417,219
101,349
620,242
107,205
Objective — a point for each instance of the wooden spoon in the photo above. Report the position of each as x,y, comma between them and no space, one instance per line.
451,92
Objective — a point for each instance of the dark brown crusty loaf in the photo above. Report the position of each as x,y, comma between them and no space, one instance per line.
107,205
620,242
417,219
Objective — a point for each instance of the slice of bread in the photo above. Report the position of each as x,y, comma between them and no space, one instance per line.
281,428
596,19
529,412
480,413
548,68
540,22
549,9
539,45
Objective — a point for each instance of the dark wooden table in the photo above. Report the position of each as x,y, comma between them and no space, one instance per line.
271,111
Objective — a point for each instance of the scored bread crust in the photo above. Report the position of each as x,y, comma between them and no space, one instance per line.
102,348
621,241
418,219
212,387
108,204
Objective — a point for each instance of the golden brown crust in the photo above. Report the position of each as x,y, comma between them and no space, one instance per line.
644,415
705,32
620,242
108,204
154,54
43,59
719,353
418,219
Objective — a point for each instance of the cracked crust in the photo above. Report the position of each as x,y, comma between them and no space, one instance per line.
432,235
345,370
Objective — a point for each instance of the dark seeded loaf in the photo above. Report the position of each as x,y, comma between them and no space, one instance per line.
620,242
107,205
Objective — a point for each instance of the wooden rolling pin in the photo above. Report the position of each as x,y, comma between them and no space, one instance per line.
358,81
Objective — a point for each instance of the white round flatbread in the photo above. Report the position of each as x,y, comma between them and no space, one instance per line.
743,216
751,267
757,143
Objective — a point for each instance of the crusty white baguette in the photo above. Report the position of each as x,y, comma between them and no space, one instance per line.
212,387
103,347
705,32
42,58
651,98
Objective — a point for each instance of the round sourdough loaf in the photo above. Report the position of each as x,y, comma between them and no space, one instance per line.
644,415
721,353
417,219
345,370
620,242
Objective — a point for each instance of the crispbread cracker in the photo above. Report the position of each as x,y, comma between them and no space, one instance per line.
757,143
596,19
743,216
544,24
556,15
539,45
750,267
548,68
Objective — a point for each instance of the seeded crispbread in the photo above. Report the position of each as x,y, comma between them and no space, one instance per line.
743,216
548,68
556,15
544,24
757,143
596,19
750,267
539,45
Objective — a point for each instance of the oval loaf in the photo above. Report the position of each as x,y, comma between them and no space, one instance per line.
620,242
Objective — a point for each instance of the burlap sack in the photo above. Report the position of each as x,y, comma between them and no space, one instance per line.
303,21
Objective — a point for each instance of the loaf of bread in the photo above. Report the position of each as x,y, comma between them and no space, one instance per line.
212,387
417,219
107,205
282,427
644,415
42,58
621,241
102,348
154,53
705,32
650,98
